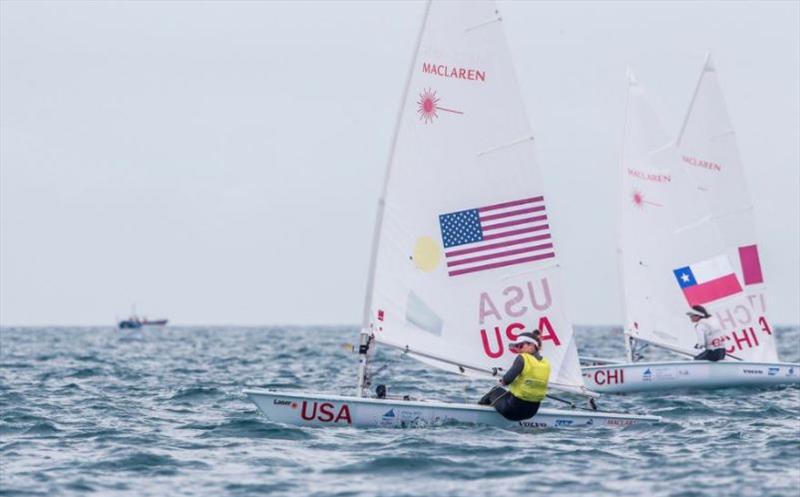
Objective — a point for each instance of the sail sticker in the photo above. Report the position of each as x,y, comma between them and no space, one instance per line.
428,105
421,316
427,254
711,166
495,236
707,281
751,265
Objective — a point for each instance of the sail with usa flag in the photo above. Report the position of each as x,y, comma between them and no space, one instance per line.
464,258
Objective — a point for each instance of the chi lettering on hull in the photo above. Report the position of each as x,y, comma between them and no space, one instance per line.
325,412
609,377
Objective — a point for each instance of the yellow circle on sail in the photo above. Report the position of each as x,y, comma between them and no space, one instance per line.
426,254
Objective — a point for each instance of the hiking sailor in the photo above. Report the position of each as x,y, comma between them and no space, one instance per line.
710,336
526,380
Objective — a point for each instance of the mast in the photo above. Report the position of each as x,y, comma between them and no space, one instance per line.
706,65
366,333
628,340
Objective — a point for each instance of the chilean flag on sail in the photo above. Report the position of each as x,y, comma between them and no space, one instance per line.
707,281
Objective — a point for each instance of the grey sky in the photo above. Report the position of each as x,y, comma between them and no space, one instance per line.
221,162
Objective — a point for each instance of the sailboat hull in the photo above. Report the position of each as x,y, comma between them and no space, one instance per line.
685,375
321,410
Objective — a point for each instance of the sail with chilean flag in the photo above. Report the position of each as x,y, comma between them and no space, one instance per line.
672,253
709,152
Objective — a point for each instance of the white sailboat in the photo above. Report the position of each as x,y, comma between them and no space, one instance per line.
685,206
463,257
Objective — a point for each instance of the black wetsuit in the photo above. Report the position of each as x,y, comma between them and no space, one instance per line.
504,401
710,355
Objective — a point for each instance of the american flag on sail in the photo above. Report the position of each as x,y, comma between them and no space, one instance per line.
495,236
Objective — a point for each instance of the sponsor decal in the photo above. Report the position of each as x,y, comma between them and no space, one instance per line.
705,164
532,424
752,371
773,371
402,417
281,402
647,375
325,412
646,176
590,421
620,422
664,373
446,71
683,372
563,422
389,418
609,377
791,372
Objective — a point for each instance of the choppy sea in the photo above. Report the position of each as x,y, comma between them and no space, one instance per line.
161,412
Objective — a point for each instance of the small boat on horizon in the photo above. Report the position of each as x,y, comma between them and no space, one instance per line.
134,322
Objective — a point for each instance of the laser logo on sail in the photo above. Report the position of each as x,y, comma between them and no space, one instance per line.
639,201
428,106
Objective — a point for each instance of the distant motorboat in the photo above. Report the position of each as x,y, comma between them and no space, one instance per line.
134,322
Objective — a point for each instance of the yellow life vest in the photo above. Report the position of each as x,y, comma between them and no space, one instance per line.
531,383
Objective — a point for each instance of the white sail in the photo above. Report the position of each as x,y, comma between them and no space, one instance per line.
465,258
709,151
669,245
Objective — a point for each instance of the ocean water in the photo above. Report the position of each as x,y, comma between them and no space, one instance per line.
161,412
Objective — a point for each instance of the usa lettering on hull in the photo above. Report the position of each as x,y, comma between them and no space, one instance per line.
325,412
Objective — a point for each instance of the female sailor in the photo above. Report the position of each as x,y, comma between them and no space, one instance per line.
526,380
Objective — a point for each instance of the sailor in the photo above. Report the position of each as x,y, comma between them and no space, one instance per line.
526,381
710,336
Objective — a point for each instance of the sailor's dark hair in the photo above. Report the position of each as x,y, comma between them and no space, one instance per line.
701,310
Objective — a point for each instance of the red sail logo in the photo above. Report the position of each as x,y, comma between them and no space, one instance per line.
428,106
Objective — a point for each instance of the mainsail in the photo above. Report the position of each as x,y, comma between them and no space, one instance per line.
671,252
709,151
464,255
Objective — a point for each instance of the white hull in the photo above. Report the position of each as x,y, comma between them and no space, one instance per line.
682,375
297,408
